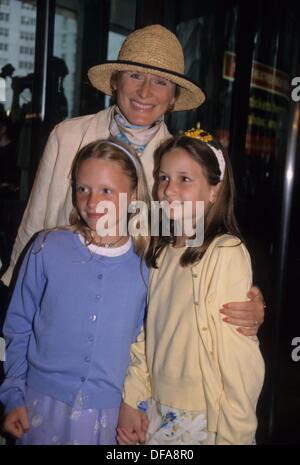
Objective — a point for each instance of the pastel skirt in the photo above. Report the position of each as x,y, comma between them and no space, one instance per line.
55,423
170,426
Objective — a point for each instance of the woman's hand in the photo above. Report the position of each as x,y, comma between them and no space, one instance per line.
249,315
16,422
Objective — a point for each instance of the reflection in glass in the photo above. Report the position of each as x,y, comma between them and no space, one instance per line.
65,43
17,46
17,54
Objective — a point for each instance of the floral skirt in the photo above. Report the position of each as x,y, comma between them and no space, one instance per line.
170,426
53,422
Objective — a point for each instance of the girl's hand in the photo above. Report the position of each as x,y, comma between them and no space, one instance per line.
125,438
16,422
249,315
132,425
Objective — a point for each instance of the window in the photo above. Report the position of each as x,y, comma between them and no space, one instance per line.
3,31
27,20
18,31
4,47
26,65
65,49
27,6
27,35
27,50
4,17
63,39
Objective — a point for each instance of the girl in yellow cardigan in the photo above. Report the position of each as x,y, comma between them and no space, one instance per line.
194,379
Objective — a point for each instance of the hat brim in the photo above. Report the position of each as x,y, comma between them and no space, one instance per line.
190,96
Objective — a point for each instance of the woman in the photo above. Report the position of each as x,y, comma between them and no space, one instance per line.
148,81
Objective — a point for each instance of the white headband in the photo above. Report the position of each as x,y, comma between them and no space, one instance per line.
115,144
220,159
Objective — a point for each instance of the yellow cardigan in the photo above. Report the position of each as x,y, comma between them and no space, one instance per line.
230,365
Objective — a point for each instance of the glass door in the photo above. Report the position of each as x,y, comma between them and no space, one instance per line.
17,58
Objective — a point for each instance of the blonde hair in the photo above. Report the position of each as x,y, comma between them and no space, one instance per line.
113,150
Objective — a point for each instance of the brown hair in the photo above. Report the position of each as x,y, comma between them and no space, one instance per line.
219,217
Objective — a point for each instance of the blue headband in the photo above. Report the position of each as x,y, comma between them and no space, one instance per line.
132,158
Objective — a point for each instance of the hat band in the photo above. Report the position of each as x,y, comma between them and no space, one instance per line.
155,68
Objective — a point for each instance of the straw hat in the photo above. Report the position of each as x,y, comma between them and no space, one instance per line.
154,50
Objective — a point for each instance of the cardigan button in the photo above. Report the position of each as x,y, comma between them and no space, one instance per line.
195,275
204,328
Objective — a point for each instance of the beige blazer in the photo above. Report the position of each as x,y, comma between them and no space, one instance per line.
50,201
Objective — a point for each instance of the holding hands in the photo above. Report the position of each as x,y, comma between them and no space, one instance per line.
132,426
